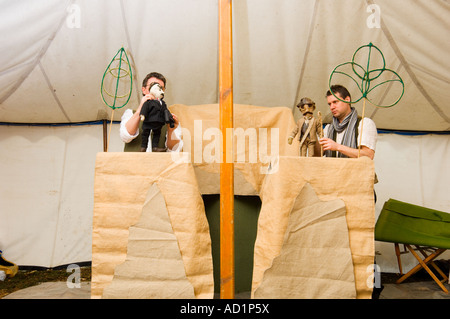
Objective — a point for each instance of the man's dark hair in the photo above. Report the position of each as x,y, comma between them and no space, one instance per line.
154,75
343,92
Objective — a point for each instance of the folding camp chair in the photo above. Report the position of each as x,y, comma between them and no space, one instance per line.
417,229
8,267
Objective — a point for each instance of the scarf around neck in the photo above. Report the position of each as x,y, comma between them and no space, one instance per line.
349,138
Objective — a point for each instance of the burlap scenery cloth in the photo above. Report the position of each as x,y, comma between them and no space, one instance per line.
349,180
122,183
278,176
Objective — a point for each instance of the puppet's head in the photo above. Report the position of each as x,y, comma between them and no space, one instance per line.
156,90
306,106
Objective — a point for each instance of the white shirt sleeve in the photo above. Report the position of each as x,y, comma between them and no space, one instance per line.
177,134
124,135
370,134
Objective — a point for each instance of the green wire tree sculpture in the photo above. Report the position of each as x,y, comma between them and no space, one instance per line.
115,78
364,78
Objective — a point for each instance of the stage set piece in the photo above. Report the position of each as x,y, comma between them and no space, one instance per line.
419,230
150,233
315,231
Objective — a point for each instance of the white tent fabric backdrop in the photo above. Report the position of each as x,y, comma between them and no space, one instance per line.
413,169
47,203
54,54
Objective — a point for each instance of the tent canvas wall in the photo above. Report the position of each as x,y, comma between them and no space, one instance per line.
54,53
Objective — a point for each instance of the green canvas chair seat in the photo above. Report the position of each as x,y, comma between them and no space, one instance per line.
411,225
405,223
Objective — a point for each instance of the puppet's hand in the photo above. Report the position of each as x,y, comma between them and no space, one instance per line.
290,140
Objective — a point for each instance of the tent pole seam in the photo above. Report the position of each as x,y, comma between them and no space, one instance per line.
52,90
307,49
37,60
408,68
130,50
52,257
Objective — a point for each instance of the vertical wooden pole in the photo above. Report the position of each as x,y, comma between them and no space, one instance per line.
110,127
105,136
226,165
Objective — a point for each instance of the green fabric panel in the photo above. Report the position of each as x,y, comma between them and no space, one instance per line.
405,223
246,214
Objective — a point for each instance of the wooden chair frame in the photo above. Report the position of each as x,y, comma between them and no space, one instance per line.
429,254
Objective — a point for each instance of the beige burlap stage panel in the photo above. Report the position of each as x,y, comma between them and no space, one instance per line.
349,180
122,184
315,235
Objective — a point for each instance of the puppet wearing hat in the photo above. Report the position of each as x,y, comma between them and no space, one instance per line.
308,127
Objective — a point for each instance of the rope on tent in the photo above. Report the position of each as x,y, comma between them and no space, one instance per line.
364,79
116,76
